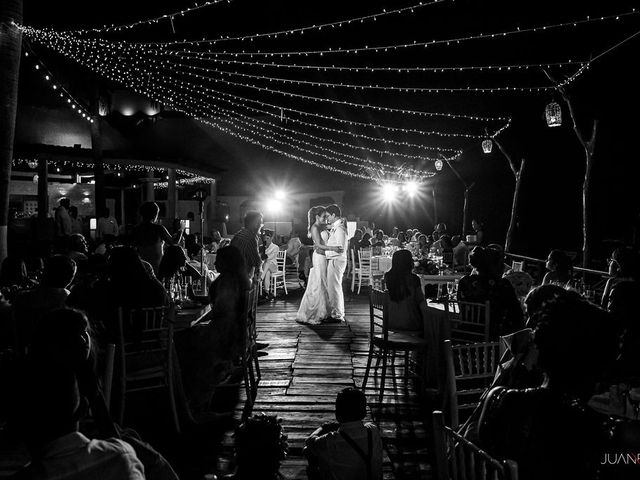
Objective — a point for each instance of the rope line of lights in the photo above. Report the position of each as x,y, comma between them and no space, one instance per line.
191,177
63,44
281,117
402,69
376,87
154,95
415,43
270,134
149,21
302,30
63,93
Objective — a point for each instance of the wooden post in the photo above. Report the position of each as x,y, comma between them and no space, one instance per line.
96,150
211,217
122,209
10,45
435,206
42,230
172,199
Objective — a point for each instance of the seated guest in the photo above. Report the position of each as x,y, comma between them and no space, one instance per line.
78,249
622,293
173,260
31,305
349,449
560,269
130,285
423,246
624,266
150,237
447,250
216,239
378,240
460,252
58,450
260,446
541,427
399,241
14,277
365,242
354,245
270,263
206,351
407,305
487,284
293,248
478,231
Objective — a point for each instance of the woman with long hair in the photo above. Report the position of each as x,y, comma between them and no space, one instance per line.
314,305
407,305
560,269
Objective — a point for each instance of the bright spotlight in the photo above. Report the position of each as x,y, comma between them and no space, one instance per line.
273,206
280,194
411,188
388,192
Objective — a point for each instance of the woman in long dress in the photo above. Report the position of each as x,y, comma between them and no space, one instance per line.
314,306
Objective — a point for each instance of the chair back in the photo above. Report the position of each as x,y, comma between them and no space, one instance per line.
378,313
517,266
145,332
281,260
447,258
458,458
469,321
470,370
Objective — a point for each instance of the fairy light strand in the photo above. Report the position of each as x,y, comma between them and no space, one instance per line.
415,43
302,30
149,21
155,96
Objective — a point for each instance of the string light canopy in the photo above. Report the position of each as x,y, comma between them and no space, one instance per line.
487,145
438,164
553,114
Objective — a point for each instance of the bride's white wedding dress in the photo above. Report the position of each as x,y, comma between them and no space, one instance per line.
315,305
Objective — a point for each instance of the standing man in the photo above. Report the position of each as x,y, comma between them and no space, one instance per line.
107,228
337,263
246,240
63,224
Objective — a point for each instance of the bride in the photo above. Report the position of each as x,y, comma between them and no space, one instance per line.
314,306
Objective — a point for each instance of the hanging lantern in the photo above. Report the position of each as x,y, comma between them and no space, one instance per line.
32,163
553,114
438,164
487,145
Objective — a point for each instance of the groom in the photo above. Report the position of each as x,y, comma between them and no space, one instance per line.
336,263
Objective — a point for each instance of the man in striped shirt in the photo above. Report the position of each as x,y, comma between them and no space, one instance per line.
246,240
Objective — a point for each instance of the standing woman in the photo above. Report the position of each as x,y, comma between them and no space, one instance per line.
314,305
150,237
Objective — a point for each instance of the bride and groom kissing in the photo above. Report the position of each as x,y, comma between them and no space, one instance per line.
323,300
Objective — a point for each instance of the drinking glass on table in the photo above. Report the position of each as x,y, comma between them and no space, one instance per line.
451,286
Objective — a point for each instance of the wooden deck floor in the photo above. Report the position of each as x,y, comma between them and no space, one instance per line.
307,366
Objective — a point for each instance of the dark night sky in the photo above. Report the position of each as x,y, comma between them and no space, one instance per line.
550,209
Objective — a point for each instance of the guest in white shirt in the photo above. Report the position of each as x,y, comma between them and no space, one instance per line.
50,425
349,449
270,264
107,227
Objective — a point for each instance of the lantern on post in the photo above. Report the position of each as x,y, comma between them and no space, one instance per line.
438,164
553,114
487,145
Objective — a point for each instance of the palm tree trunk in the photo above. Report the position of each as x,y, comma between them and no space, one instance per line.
10,45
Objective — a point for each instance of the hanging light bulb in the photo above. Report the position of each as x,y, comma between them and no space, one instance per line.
487,145
553,114
438,164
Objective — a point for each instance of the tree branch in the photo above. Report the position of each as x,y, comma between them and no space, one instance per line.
507,156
